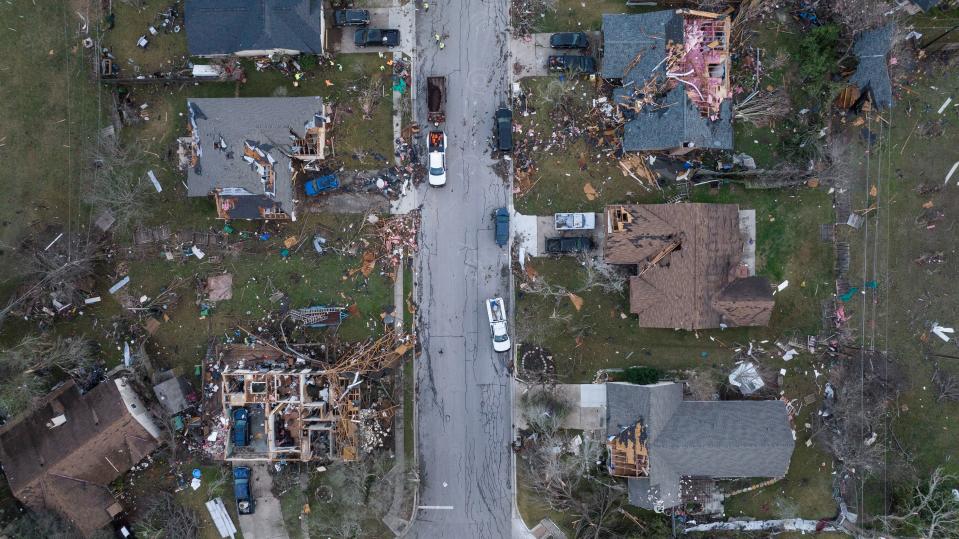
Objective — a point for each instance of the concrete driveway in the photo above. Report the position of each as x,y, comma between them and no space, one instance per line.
266,522
399,17
532,231
463,388
529,54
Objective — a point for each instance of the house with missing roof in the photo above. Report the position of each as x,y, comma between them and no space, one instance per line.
64,454
673,68
245,152
248,28
672,451
695,264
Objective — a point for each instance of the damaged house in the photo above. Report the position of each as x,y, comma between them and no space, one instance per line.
254,27
261,405
64,454
693,264
674,68
246,152
672,450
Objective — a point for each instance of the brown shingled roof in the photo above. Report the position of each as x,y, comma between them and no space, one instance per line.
683,289
68,467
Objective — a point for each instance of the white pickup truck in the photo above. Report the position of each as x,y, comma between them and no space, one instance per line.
496,310
574,221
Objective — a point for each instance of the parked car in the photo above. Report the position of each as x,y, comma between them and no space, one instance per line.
241,427
579,64
437,158
569,40
496,311
351,17
501,226
574,221
504,129
577,244
245,505
376,37
322,184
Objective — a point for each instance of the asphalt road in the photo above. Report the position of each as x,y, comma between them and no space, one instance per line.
463,398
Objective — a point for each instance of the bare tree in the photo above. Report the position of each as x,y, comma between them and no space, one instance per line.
116,187
947,385
931,512
609,278
762,108
45,524
544,410
165,518
27,369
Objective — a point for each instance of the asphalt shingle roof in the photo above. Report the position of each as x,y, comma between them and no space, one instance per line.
717,439
872,47
215,27
264,122
676,120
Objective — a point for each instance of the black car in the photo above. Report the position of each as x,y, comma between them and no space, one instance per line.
569,40
504,130
577,244
581,64
351,17
376,37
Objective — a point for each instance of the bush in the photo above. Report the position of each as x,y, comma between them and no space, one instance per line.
307,61
817,53
641,375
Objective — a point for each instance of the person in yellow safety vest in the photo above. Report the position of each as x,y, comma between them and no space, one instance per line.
436,37
442,45
426,6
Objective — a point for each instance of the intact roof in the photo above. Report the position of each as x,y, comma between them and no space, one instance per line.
261,122
715,439
872,73
215,27
67,468
682,290
172,394
675,120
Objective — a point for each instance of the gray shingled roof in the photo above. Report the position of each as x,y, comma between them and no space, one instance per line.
625,36
676,120
718,439
265,122
872,47
215,27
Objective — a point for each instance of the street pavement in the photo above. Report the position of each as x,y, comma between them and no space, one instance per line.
463,394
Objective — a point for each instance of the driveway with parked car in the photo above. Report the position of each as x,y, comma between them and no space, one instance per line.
530,56
399,18
266,520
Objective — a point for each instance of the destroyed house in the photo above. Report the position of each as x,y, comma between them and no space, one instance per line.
254,27
691,272
245,152
289,411
673,68
63,455
669,448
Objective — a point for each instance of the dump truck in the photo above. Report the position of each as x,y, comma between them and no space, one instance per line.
496,310
436,99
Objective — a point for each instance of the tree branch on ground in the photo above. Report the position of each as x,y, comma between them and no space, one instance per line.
165,518
609,278
931,512
763,108
46,524
947,385
115,187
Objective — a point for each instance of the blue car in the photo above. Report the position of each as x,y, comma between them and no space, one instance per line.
241,427
501,230
322,184
241,490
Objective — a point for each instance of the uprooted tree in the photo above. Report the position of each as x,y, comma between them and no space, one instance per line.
852,425
116,187
28,368
930,511
165,518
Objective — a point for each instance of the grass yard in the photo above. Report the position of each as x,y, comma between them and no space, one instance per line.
563,171
50,112
583,15
166,51
913,155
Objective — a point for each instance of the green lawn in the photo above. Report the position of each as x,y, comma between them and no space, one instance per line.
166,51
570,15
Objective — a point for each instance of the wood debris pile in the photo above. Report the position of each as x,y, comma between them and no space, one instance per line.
397,236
